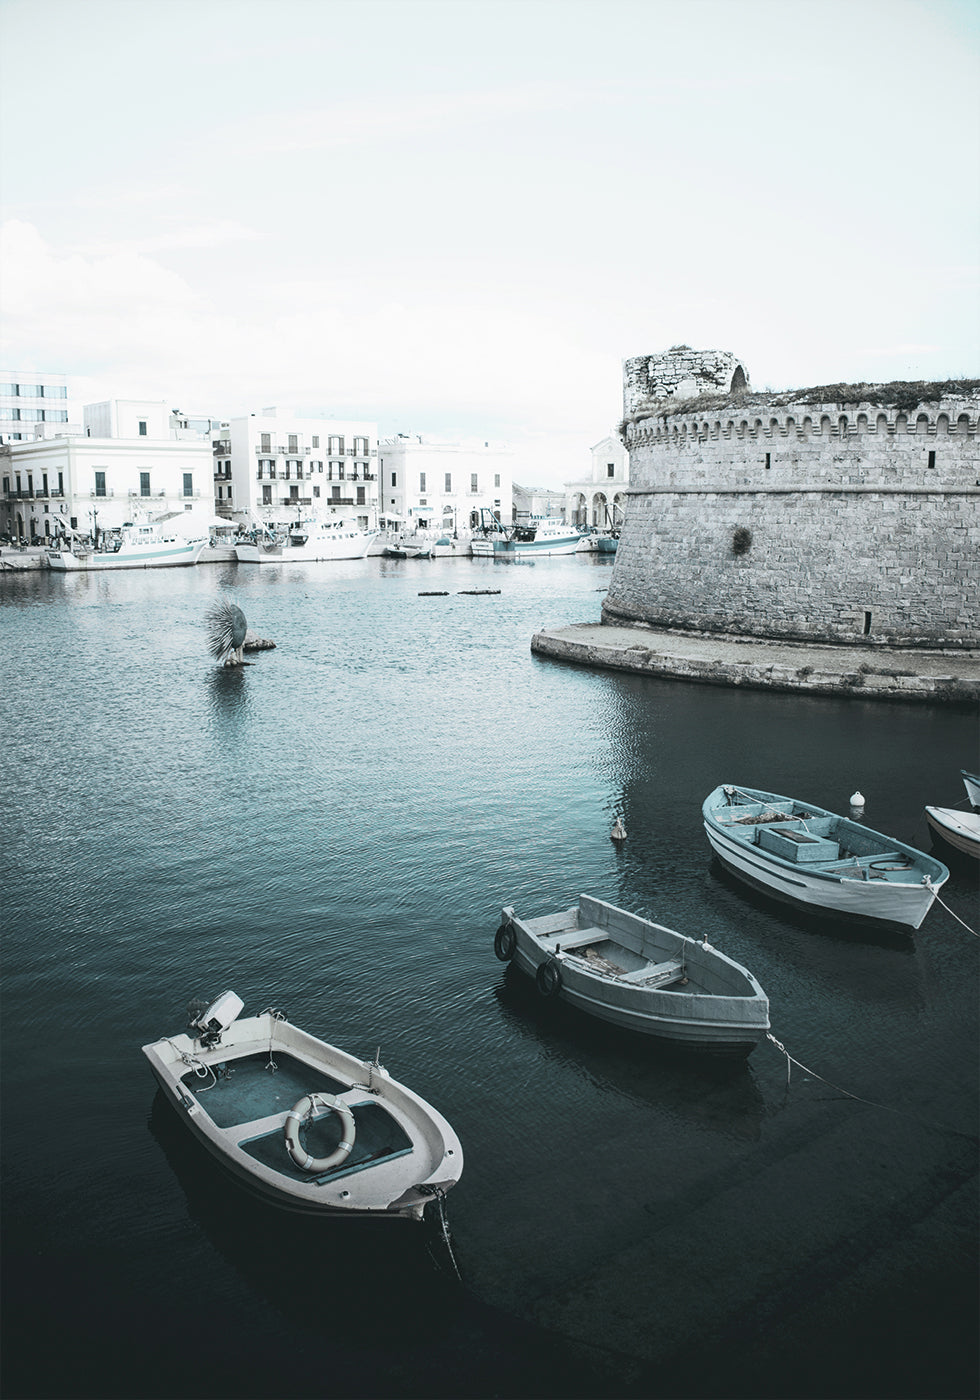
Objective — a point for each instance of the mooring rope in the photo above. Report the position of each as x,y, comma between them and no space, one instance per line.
929,885
872,1103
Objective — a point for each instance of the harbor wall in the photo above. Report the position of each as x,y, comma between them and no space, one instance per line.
833,521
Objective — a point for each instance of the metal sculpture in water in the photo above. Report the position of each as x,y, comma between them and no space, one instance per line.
226,634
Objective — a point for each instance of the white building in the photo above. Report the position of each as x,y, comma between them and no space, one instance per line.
600,500
271,466
538,502
438,486
34,405
102,477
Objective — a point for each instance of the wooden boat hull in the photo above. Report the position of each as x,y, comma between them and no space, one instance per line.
960,830
641,976
860,875
404,1152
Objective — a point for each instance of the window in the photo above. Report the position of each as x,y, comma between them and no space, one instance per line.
293,443
100,483
144,483
267,495
421,481
932,459
188,483
449,481
473,482
394,479
610,469
496,481
44,487
335,493
768,460
54,391
265,442
142,427
361,498
316,444
316,492
61,483
336,447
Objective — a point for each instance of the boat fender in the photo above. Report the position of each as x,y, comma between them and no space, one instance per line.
504,942
547,979
303,1110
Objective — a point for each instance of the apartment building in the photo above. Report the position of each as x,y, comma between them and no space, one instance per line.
272,466
434,485
34,405
125,463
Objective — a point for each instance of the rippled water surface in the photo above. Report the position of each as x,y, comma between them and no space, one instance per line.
333,829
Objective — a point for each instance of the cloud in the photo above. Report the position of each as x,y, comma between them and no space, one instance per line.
127,326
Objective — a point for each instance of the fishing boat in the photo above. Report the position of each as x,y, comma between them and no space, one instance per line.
407,549
133,546
958,829
819,861
307,542
637,974
972,784
301,1123
537,535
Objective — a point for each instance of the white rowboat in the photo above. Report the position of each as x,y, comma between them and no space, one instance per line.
634,973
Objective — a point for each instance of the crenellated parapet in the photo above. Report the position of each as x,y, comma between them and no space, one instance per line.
817,515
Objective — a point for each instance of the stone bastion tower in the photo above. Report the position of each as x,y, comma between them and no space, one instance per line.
848,513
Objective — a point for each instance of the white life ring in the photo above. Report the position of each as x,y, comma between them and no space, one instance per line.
63,508
303,1110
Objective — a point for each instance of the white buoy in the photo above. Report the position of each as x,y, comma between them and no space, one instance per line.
618,832
857,799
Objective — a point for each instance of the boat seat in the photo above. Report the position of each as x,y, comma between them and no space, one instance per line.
581,938
661,973
852,861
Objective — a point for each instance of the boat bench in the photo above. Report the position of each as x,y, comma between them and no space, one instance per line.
852,862
661,973
580,939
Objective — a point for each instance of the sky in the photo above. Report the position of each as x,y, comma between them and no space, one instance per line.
459,217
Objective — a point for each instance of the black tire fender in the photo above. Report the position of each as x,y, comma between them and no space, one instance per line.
547,979
504,942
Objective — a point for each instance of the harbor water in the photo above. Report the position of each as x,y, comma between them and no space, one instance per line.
332,830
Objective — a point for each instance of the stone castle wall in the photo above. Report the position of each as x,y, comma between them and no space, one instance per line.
829,522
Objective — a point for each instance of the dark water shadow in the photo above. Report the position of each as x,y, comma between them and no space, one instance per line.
717,1091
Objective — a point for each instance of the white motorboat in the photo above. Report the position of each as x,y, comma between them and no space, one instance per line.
819,861
639,975
301,1123
971,782
538,536
134,546
309,541
958,829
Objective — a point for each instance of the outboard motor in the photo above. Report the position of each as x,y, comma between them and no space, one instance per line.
216,1018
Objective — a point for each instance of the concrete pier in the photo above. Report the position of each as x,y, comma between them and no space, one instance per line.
866,672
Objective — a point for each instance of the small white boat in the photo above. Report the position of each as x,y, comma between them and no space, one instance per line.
134,546
819,861
639,975
308,542
958,829
302,1123
972,784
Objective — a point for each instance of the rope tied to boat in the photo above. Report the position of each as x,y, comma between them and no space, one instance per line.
276,1015
440,1199
871,1103
200,1069
929,885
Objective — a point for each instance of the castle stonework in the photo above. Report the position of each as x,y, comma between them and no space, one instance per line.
776,516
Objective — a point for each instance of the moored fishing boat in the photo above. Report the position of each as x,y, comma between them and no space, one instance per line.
637,974
305,1125
133,546
958,829
538,536
971,781
820,861
309,541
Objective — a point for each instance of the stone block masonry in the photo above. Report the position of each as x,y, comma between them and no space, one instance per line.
838,522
